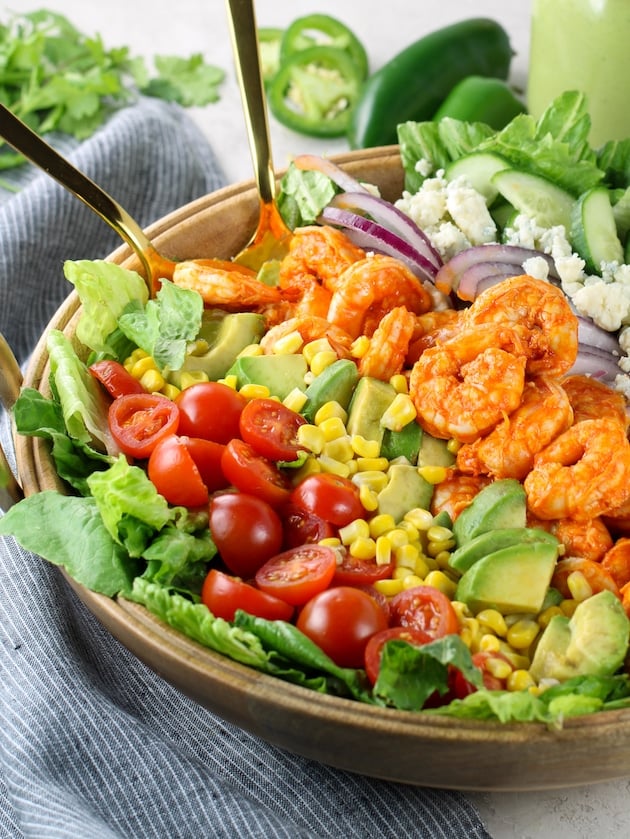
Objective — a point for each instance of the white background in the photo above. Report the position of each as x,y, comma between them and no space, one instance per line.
385,26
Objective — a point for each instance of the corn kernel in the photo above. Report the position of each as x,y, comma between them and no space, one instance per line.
372,464
367,449
311,466
252,391
330,542
334,467
250,350
170,391
188,378
230,381
141,366
198,347
439,533
498,668
332,428
398,537
136,355
367,496
410,529
432,474
411,581
453,446
435,548
376,481
295,399
380,524
442,559
489,643
360,346
406,556
339,449
517,659
357,529
544,617
520,680
329,410
389,587
288,344
363,548
568,607
494,620
522,634
399,383
462,609
579,586
311,437
322,360
310,350
422,569
470,633
152,381
400,413
400,572
439,580
383,555
421,519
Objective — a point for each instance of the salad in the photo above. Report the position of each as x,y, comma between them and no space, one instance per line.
391,466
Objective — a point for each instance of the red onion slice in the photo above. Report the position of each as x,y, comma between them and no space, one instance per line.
592,335
448,277
331,170
370,235
596,363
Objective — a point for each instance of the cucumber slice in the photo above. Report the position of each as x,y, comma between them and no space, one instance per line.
535,196
620,199
478,168
594,230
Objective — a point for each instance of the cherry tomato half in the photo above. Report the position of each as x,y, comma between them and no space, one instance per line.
426,608
223,595
174,474
360,572
341,620
246,530
252,473
116,380
302,527
138,421
374,647
331,497
298,574
210,410
207,456
271,428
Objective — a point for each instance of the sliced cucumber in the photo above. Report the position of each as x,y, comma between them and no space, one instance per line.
594,230
620,199
548,204
478,168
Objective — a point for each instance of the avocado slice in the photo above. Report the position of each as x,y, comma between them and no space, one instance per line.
513,579
494,540
227,335
405,489
370,400
500,504
434,452
404,443
280,373
335,383
593,642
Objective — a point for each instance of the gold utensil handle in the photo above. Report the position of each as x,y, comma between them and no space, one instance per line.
242,21
31,145
10,382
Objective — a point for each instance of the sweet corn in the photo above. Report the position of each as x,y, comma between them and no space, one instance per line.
389,587
332,428
432,474
252,391
360,346
411,581
421,519
520,680
579,586
398,537
330,542
406,556
400,572
249,350
439,580
140,367
330,410
338,449
368,498
439,533
453,446
399,383
442,559
435,548
322,360
522,634
498,668
152,380
373,464
357,529
411,530
545,616
383,554
230,381
489,643
363,448
136,355
380,524
311,437
288,344
310,350
334,467
170,391
494,620
400,413
568,607
363,548
295,399
188,378
470,633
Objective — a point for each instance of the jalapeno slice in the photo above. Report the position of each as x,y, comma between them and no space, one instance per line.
314,91
323,30
269,40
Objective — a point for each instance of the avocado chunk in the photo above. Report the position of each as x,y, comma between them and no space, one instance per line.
335,383
434,452
404,443
227,335
593,642
405,489
500,504
513,579
280,373
370,400
494,540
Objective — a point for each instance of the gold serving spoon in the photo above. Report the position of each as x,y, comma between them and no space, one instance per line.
271,238
34,148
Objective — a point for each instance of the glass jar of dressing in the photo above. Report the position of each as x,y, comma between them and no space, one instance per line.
583,45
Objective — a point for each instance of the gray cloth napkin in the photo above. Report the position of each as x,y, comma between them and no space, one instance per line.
93,744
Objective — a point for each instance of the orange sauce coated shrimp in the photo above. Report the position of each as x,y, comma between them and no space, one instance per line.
310,329
369,289
592,399
508,450
541,312
617,561
589,539
433,328
464,387
320,253
388,345
456,492
581,474
224,284
598,578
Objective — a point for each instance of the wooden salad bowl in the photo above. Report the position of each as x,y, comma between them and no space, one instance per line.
383,743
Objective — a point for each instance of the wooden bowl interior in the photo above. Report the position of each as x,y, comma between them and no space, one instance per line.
393,745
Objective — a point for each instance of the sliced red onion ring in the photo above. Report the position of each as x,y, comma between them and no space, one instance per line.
592,335
389,216
370,235
448,277
327,167
481,275
596,363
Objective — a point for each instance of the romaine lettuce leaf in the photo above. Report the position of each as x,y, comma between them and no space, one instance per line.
303,195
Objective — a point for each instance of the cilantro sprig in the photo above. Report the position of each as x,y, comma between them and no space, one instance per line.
56,78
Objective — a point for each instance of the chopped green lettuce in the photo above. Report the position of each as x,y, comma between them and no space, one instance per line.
303,195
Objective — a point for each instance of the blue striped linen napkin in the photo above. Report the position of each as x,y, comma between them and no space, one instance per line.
93,744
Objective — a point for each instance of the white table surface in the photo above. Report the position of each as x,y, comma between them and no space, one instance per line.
385,26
